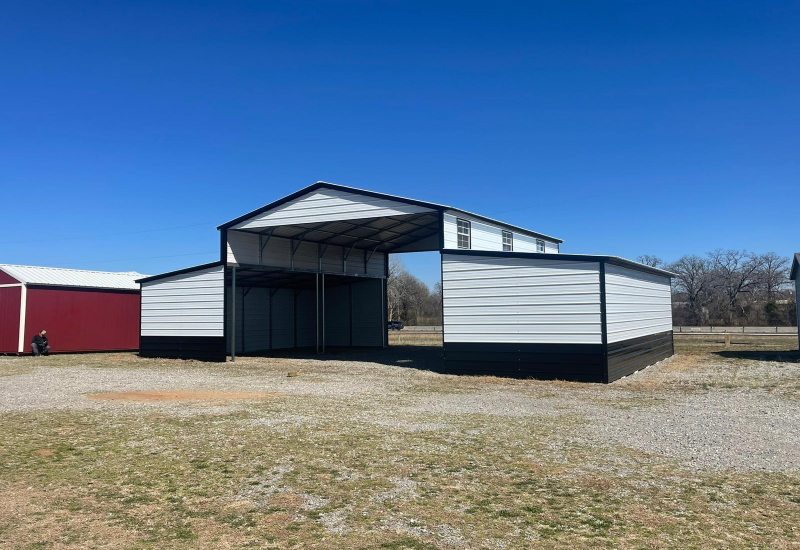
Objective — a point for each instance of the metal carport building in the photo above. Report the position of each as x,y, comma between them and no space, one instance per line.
309,271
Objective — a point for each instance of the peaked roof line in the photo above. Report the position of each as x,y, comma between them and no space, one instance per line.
795,267
67,277
387,196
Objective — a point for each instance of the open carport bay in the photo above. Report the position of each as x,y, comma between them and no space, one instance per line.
280,309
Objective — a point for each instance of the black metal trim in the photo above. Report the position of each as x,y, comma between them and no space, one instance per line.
603,319
203,348
180,272
615,260
795,267
628,356
579,362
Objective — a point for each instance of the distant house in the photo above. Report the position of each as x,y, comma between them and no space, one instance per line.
81,310
795,276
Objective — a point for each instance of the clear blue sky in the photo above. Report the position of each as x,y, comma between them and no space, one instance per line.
129,130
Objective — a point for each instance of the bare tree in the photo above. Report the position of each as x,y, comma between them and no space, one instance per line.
652,261
735,273
773,274
693,277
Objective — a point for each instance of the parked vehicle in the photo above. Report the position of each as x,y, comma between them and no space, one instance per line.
395,325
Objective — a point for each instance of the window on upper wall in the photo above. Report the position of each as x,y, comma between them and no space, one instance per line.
463,229
508,241
539,245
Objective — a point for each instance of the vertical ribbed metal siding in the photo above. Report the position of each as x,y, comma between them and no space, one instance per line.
497,299
637,303
189,304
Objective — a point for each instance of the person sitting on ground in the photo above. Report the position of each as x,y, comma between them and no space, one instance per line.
39,345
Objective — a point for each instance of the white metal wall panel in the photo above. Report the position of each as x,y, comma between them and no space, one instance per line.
487,236
368,318
637,303
243,248
189,304
520,300
324,205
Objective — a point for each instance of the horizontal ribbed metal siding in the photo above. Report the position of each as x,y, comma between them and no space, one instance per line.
324,205
496,299
637,304
190,304
486,236
243,248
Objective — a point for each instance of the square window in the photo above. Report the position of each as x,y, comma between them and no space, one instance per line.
463,230
539,245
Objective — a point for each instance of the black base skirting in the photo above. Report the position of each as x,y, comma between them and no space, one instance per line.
203,348
628,356
581,362
578,362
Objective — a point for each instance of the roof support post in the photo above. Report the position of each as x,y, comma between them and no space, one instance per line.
23,308
233,314
316,310
323,313
263,241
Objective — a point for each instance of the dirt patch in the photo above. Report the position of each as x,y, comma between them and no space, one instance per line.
44,452
182,395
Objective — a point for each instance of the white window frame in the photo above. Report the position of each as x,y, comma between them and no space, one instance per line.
541,248
510,243
463,230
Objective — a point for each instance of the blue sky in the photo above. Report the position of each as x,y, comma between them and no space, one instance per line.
129,130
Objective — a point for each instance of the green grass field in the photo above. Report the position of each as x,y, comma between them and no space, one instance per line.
376,456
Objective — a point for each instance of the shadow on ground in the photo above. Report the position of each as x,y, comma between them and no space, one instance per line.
428,358
756,355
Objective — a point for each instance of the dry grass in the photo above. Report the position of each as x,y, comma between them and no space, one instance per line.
318,471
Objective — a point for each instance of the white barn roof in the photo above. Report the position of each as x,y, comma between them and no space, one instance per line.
58,276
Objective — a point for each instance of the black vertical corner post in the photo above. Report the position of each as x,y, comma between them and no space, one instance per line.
316,309
233,314
385,299
323,312
603,320
441,290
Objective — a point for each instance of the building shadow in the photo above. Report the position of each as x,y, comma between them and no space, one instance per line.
765,355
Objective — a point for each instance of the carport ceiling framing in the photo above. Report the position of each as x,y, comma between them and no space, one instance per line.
383,234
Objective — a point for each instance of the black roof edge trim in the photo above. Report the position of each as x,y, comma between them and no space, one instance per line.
616,260
180,272
366,192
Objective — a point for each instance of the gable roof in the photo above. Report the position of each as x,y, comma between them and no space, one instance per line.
795,267
431,205
59,276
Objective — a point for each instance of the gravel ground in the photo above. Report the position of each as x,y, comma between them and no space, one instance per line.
707,417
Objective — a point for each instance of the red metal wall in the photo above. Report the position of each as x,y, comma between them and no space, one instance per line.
83,319
10,298
6,279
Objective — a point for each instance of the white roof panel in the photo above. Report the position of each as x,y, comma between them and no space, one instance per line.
58,276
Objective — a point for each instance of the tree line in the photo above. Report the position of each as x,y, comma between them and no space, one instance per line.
409,299
723,287
730,287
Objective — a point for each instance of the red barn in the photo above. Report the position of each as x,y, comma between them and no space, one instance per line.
81,310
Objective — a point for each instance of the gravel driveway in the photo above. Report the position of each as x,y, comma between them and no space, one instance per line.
715,413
